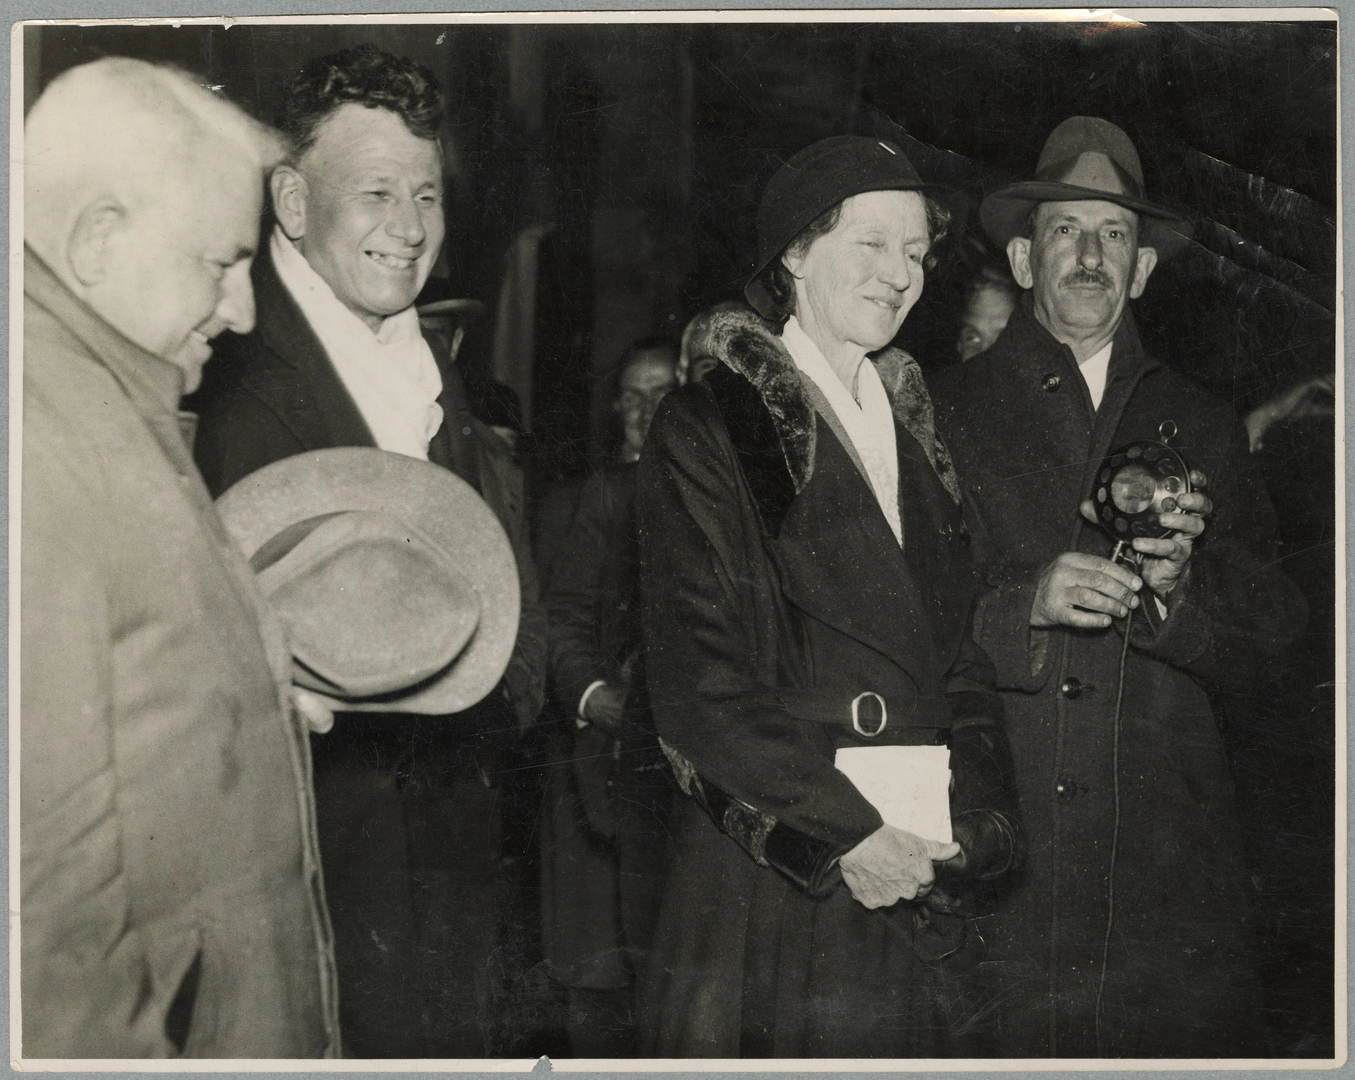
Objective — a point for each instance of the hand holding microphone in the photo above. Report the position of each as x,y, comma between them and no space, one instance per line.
1086,591
1165,558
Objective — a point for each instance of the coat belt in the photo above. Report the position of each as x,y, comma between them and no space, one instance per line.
867,713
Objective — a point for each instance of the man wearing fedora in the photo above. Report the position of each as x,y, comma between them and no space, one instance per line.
171,901
1127,936
409,817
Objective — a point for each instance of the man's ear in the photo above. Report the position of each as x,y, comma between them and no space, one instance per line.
289,190
1147,260
87,250
1018,254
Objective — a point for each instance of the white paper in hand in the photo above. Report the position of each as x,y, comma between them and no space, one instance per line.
909,785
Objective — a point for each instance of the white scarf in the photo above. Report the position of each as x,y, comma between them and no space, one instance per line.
870,425
391,374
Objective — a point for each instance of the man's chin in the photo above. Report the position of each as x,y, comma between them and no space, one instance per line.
192,378
386,303
388,293
190,360
1088,316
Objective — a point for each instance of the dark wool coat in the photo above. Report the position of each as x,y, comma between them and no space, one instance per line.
607,796
273,393
169,873
409,828
773,593
1027,444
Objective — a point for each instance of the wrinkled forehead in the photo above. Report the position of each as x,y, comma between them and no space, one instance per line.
897,211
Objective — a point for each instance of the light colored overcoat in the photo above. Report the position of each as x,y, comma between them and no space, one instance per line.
171,895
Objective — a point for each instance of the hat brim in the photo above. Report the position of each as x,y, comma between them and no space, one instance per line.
1003,213
470,310
956,202
433,499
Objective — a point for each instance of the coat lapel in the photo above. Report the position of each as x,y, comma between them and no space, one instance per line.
912,405
1128,365
453,445
309,393
841,563
824,524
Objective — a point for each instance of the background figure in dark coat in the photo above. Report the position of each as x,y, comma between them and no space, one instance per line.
408,814
792,574
1127,936
1282,742
608,787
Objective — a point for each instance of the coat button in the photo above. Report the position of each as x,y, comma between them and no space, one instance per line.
1072,688
1065,787
1051,383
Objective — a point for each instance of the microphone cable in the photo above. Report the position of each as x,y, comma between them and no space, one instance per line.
1115,792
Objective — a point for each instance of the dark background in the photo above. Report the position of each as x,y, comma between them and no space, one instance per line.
637,152
643,150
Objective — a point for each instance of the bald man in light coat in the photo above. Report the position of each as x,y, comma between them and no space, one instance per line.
170,901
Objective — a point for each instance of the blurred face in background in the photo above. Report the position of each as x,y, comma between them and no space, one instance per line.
646,380
695,360
985,317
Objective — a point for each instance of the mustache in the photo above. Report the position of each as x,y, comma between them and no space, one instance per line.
1083,276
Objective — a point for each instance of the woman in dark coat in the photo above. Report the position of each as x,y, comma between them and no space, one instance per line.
806,587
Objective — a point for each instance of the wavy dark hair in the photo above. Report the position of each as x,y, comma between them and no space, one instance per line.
363,75
780,282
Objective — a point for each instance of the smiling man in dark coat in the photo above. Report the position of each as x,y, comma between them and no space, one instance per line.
1128,935
409,824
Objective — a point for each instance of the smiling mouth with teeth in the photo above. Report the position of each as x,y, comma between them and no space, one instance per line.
392,262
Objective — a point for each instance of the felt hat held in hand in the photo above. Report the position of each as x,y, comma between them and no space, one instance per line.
394,581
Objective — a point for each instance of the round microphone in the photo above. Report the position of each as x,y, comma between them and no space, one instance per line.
1135,484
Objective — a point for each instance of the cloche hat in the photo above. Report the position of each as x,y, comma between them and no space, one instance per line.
819,177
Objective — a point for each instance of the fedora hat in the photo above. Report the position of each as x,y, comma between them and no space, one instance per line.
394,581
817,178
1084,158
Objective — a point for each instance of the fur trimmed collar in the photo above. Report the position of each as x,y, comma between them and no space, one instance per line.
747,345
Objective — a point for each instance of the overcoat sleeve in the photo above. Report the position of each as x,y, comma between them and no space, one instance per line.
1005,596
525,678
86,972
1234,609
1229,617
572,599
714,634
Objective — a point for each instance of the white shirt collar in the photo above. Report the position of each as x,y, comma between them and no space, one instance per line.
1094,370
869,425
391,374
